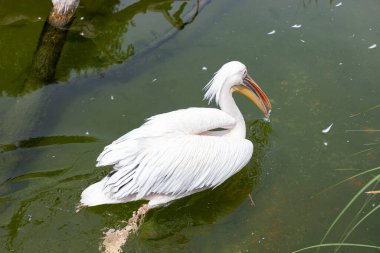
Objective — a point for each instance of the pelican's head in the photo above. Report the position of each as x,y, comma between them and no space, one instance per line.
233,76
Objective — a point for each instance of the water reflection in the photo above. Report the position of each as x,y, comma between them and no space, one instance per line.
98,37
110,34
46,58
45,141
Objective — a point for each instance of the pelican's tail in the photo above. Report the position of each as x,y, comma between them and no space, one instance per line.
94,195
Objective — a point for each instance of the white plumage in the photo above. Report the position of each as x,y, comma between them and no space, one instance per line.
176,154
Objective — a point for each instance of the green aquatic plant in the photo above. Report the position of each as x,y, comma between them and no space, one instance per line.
354,221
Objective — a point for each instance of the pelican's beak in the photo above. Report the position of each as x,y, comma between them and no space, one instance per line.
252,90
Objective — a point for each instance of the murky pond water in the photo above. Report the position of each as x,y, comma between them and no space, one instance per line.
123,61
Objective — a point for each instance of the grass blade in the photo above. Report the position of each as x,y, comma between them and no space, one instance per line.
338,244
356,221
360,221
348,205
345,180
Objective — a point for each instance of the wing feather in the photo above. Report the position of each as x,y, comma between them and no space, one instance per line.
185,121
185,165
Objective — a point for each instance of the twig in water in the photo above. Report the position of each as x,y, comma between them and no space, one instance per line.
373,107
373,192
370,109
354,115
372,143
250,198
365,150
363,130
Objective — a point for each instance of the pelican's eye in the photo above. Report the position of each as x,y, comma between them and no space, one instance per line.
245,73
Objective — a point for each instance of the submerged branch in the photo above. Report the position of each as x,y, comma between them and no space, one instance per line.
115,239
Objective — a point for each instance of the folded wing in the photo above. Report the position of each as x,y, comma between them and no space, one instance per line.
169,155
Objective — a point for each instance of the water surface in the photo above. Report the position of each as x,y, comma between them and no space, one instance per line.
127,60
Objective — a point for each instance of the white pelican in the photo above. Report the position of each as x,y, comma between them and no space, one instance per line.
175,154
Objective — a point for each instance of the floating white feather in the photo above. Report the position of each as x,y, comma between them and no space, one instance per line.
326,130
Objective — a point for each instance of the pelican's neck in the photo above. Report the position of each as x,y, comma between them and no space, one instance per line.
228,105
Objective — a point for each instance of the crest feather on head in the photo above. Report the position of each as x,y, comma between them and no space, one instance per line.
214,87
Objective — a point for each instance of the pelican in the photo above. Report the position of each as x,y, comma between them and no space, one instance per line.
178,153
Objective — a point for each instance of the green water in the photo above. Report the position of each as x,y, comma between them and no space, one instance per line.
127,60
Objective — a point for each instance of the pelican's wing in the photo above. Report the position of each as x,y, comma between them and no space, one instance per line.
191,121
167,155
178,166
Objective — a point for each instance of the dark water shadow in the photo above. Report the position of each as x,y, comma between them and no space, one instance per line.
47,192
19,218
46,141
